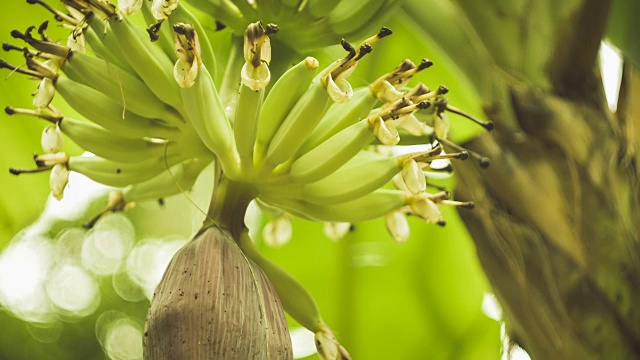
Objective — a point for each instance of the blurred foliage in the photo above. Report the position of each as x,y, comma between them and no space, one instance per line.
417,300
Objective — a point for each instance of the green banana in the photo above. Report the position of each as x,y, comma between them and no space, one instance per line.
98,107
298,124
174,180
245,124
329,156
108,145
364,173
283,96
100,37
119,85
340,116
158,33
206,114
149,61
370,206
118,174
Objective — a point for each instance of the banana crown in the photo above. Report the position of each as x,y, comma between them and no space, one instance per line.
311,146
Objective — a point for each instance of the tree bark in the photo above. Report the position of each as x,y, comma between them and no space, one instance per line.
557,217
556,225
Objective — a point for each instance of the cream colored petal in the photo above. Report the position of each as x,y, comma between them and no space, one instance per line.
129,7
185,73
58,180
398,226
388,135
414,177
255,78
51,140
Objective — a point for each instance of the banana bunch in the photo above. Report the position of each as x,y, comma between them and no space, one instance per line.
154,119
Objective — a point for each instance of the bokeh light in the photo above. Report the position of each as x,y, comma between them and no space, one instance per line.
120,336
107,244
73,291
24,266
149,259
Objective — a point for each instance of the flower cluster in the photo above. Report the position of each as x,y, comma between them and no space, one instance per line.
309,145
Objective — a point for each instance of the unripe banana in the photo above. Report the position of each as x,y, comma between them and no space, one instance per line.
119,85
103,45
206,114
160,34
283,96
103,111
118,174
174,180
149,61
331,154
298,124
246,122
363,174
109,145
367,207
340,116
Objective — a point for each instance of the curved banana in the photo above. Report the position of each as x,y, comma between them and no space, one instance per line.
298,124
109,145
363,174
174,180
370,206
340,116
103,46
119,85
329,156
283,96
118,174
149,61
206,114
108,114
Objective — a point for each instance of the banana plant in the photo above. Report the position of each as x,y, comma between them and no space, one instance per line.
554,220
300,139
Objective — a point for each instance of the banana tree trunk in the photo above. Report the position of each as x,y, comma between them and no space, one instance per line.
557,218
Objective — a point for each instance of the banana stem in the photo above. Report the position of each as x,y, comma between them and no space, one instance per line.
229,204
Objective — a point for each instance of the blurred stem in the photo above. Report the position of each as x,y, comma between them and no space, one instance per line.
577,47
